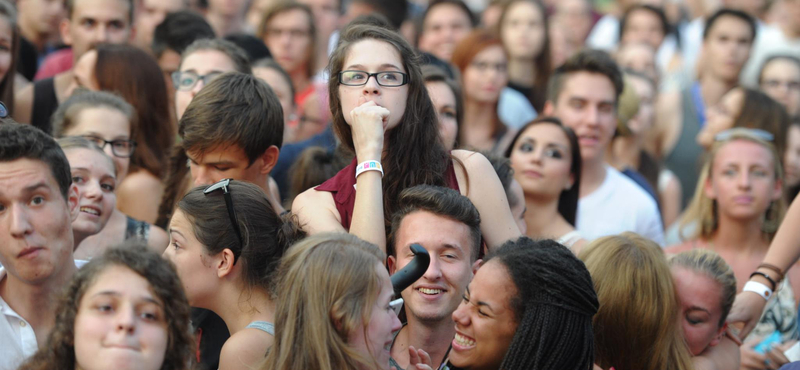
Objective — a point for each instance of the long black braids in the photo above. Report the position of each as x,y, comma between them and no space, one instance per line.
554,305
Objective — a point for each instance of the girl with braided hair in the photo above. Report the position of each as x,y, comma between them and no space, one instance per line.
529,307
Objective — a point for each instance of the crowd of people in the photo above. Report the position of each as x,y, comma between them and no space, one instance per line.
230,184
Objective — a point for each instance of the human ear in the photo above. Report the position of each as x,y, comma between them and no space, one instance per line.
477,265
73,196
225,263
269,159
391,264
719,335
549,108
64,28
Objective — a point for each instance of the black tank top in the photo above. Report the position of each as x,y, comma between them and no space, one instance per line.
45,104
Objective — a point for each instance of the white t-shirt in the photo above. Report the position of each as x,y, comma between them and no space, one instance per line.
514,109
17,339
770,41
619,205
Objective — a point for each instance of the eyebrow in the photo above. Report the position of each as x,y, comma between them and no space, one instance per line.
35,187
382,66
482,303
117,294
696,308
556,145
172,230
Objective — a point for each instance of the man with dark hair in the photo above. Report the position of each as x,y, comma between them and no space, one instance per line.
327,16
38,26
442,26
584,93
88,23
727,40
447,225
173,36
233,128
396,11
38,203
149,14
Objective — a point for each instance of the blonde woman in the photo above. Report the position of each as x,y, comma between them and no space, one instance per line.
641,333
333,308
706,287
736,210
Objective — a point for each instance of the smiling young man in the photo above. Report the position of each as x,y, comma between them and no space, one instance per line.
447,225
38,203
583,93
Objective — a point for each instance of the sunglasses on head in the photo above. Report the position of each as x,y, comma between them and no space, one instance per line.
224,186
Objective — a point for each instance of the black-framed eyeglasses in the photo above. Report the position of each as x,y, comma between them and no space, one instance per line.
744,131
120,148
360,78
224,186
187,80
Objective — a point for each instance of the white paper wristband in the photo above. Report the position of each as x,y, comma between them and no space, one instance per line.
758,288
369,166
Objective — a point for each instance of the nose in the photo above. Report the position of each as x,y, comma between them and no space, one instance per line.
198,86
396,324
93,191
744,180
201,176
126,319
460,315
372,87
592,117
434,272
20,224
101,34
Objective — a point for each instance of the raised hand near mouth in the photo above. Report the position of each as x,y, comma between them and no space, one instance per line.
367,124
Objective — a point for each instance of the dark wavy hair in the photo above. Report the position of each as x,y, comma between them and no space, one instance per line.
568,200
265,234
553,306
59,351
415,154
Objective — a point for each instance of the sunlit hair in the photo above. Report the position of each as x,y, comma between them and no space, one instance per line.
328,286
464,53
78,142
637,325
415,154
568,199
59,351
701,218
543,61
710,264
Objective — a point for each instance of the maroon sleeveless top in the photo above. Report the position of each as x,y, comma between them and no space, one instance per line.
342,187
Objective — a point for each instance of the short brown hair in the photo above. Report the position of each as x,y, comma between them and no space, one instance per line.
66,114
234,109
284,6
591,61
440,201
241,62
70,4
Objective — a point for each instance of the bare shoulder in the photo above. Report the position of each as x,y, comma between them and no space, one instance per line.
316,211
158,239
23,104
678,248
140,181
245,350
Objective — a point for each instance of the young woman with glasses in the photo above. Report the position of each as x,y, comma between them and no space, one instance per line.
383,113
489,123
226,241
137,78
109,122
736,210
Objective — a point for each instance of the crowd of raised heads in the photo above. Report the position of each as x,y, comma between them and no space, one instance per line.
399,184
